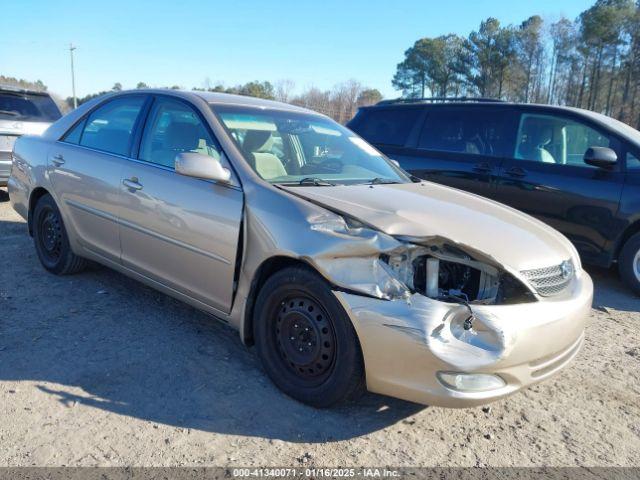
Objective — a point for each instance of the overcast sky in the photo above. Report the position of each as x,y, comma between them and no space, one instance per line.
185,42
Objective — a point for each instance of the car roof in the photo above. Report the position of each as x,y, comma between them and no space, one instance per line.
611,124
480,103
218,98
30,91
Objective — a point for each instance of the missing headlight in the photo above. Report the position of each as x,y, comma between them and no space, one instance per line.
438,278
450,274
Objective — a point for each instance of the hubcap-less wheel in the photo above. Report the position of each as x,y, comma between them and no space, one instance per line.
305,338
50,233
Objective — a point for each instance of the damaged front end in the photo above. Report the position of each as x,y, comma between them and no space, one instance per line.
442,323
398,267
439,269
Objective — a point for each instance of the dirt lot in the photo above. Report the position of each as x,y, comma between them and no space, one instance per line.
96,369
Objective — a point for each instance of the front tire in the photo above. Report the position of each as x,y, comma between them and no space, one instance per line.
629,263
305,340
51,240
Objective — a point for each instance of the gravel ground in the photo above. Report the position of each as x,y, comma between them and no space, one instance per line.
97,369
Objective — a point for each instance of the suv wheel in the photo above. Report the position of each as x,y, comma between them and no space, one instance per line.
305,340
629,263
51,240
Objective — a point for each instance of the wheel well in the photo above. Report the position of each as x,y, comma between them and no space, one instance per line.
628,233
36,195
268,268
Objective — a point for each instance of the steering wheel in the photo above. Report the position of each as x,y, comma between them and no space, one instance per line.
331,165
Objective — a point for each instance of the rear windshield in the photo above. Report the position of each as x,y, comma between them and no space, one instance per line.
385,126
28,107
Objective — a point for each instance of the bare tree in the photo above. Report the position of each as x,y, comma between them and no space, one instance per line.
284,90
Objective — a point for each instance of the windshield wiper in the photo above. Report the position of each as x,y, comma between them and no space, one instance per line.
316,182
13,113
382,181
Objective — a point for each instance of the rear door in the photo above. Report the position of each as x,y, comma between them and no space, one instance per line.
86,167
462,146
546,176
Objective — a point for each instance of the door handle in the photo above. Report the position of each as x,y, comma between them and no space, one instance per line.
57,159
517,172
132,184
482,167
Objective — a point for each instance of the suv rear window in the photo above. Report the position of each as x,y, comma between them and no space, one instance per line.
386,126
28,107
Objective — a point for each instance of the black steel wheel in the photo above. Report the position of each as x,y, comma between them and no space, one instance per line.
305,340
49,230
51,241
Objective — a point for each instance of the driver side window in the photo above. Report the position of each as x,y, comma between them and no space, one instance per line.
172,128
556,140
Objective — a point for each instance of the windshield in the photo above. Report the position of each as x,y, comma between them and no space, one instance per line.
28,107
304,149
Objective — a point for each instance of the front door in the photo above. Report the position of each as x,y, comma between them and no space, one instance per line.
180,231
547,177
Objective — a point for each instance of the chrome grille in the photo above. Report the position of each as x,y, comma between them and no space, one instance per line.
551,281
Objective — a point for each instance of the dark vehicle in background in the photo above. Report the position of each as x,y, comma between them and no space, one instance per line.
576,170
22,112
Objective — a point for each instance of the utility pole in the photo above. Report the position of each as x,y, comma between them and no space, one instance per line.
73,77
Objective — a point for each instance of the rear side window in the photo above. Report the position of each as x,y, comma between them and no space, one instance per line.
474,131
74,135
386,126
28,107
110,127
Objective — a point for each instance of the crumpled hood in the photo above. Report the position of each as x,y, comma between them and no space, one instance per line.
19,127
430,210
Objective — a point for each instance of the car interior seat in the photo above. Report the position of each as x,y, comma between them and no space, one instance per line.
535,135
257,146
178,137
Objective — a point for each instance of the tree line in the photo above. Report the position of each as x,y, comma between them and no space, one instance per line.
591,62
340,102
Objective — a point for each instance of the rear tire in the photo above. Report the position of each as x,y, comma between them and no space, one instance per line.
51,240
306,341
629,263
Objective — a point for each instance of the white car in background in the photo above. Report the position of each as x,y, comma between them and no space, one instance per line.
22,112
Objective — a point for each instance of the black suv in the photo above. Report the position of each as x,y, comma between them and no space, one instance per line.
576,170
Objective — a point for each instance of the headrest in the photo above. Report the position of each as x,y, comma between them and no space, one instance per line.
182,136
539,131
257,141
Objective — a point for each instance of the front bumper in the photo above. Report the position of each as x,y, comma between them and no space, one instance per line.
406,343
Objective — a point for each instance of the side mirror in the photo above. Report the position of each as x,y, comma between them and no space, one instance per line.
201,166
395,162
601,157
